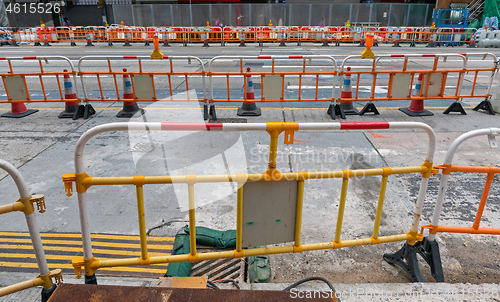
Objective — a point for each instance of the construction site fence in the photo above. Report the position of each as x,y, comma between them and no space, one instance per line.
245,233
25,204
306,83
260,34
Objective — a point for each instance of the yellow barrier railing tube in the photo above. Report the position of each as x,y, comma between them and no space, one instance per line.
191,180
139,182
12,207
298,215
381,199
240,179
343,194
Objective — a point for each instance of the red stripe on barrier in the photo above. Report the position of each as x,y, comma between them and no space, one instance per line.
375,125
429,55
398,56
29,58
295,57
264,57
191,126
3,58
463,54
130,57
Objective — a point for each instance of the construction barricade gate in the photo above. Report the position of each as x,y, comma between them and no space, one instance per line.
26,205
429,248
18,85
272,82
248,184
145,85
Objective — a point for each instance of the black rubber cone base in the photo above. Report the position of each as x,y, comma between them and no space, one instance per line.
349,109
396,45
413,113
406,258
69,112
370,107
90,279
486,106
129,111
282,44
429,250
165,44
471,45
242,44
18,115
206,45
248,110
430,45
46,44
46,293
212,112
455,107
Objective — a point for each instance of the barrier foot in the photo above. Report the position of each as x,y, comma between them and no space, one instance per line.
79,112
46,293
349,109
205,45
455,107
299,43
370,107
248,110
261,43
205,112
212,112
337,44
412,44
222,43
429,250
406,258
88,111
335,110
73,43
37,43
90,279
46,44
110,43
184,44
486,106
414,113
69,111
146,43
129,111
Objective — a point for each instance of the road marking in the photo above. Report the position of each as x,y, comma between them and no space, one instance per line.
16,252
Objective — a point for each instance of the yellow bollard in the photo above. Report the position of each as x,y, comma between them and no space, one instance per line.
270,24
368,53
208,24
122,24
156,54
433,25
348,24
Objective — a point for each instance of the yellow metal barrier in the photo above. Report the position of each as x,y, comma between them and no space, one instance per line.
25,205
84,181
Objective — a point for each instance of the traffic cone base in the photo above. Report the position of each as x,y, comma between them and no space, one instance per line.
248,110
18,110
349,109
414,113
129,110
69,110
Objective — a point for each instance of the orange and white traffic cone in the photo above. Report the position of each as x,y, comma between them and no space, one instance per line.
416,107
69,94
346,93
129,107
249,108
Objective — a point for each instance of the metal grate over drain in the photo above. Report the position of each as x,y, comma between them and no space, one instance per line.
220,269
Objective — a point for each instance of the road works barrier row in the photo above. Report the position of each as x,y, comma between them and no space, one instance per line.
248,234
25,205
277,84
262,34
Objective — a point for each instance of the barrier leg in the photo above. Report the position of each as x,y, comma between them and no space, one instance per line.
429,250
486,106
212,112
370,107
406,258
46,293
205,112
19,110
455,107
335,110
90,279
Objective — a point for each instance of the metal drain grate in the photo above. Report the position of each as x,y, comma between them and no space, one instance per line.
220,269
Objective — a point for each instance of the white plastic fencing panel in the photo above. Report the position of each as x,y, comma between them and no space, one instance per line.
401,85
16,88
434,84
272,87
269,211
143,86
